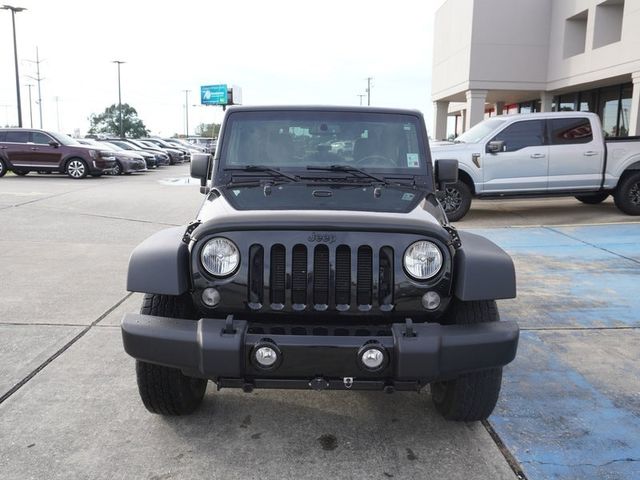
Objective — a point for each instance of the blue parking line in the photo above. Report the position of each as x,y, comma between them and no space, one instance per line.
561,413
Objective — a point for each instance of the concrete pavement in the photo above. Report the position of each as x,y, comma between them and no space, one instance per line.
69,405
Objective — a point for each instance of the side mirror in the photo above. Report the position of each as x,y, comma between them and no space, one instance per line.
446,172
54,144
200,165
495,146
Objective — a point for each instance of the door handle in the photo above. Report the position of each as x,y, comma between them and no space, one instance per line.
34,148
590,153
3,147
538,155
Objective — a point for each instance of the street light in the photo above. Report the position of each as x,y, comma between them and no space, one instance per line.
14,10
186,112
119,62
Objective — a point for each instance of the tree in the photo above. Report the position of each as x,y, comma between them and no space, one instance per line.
109,122
209,130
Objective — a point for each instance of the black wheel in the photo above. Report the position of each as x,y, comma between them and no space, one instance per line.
592,199
627,195
456,200
472,396
21,173
117,169
77,168
165,390
3,168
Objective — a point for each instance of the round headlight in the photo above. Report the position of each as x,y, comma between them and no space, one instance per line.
220,257
422,260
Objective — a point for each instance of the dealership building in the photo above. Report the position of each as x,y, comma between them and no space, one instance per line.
494,57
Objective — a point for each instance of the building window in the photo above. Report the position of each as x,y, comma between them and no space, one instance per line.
567,103
608,24
575,34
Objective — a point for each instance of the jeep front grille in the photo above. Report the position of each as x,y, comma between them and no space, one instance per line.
320,278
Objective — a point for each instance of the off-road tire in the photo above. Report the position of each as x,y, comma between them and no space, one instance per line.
456,200
592,199
165,390
472,396
627,195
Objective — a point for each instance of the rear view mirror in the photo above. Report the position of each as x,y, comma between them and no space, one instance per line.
495,146
200,166
446,172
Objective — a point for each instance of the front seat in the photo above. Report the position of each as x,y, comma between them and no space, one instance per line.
364,147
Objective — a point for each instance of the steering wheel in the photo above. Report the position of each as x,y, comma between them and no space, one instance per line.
376,160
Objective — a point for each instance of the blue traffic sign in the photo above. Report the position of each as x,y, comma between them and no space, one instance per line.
214,95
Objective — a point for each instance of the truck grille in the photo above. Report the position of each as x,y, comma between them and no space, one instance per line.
320,278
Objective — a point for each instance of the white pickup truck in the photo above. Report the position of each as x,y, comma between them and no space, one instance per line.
541,154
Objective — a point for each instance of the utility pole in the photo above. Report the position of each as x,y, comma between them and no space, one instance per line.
361,97
38,79
29,85
186,112
15,10
369,90
119,62
58,111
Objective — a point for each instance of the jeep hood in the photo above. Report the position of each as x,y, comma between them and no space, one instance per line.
425,216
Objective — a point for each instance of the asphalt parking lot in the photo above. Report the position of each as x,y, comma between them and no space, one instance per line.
69,407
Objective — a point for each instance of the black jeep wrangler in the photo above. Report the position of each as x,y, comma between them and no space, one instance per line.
321,258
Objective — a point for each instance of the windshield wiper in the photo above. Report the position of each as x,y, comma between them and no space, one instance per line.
349,169
263,169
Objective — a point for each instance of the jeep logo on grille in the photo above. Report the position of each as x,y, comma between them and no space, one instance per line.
322,237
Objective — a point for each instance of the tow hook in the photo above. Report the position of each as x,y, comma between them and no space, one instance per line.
348,382
319,383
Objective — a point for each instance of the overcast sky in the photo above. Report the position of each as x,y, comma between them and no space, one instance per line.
279,52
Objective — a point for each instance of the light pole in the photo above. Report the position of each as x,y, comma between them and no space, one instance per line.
369,90
29,85
186,112
119,62
14,10
361,97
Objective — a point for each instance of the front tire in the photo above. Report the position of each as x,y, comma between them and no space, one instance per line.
627,195
77,168
456,200
3,168
592,199
472,396
117,169
165,390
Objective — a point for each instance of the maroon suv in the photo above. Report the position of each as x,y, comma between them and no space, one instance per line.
25,150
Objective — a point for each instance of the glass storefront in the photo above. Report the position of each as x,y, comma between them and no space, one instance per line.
612,104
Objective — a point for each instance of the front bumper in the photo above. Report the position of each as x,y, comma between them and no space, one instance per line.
316,356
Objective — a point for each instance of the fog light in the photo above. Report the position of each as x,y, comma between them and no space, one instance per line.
210,297
266,357
431,300
372,356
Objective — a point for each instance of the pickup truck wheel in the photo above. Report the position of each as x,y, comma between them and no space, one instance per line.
472,396
627,195
593,199
165,390
456,200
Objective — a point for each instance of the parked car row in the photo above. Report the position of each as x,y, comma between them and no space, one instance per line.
25,150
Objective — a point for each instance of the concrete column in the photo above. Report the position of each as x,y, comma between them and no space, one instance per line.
498,106
634,117
463,127
546,101
475,107
440,113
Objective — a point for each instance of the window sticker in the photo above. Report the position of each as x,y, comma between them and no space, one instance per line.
413,160
407,197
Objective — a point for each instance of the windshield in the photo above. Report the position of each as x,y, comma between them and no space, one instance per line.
114,146
299,139
65,139
479,131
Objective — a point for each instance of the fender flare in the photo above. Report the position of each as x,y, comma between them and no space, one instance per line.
483,271
160,264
